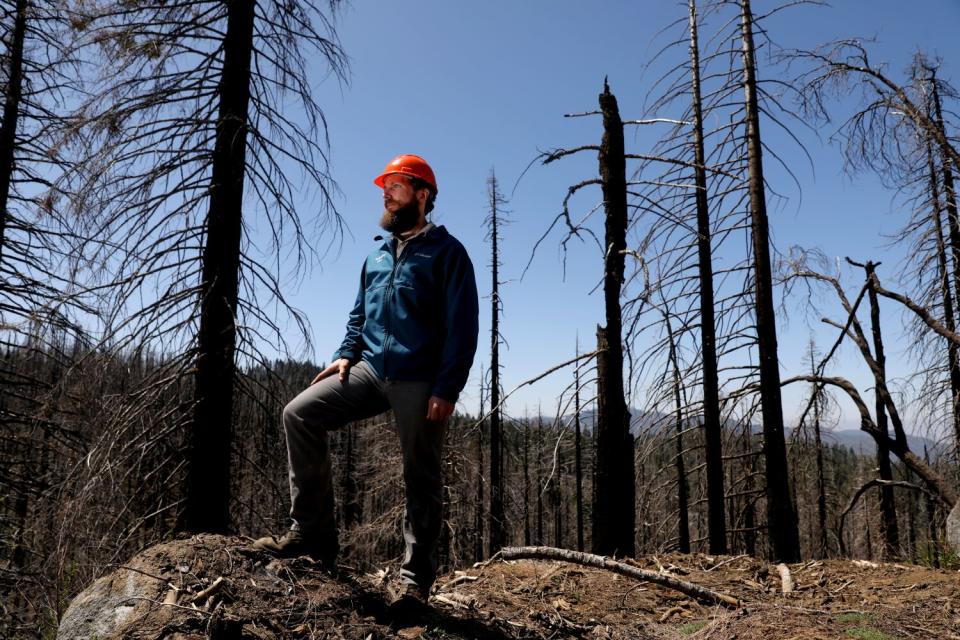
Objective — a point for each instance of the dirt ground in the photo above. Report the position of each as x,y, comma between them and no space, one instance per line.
258,597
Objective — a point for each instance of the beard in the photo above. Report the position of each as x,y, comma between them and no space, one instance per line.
401,220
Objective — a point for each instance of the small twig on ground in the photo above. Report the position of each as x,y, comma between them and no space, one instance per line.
209,591
458,580
669,613
725,562
601,562
456,600
141,572
164,604
485,563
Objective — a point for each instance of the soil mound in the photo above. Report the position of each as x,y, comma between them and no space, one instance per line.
211,586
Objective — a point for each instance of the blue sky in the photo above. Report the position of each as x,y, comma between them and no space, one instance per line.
480,86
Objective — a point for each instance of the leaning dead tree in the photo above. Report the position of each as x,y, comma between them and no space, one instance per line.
901,131
851,329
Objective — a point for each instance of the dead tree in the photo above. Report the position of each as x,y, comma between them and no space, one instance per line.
11,109
479,506
526,483
578,451
930,507
817,402
953,225
497,525
40,299
614,489
716,515
781,517
683,518
539,476
888,509
188,146
889,133
852,330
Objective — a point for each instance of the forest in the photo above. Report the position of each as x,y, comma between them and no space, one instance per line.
152,157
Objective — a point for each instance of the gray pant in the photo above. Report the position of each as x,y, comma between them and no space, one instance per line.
330,404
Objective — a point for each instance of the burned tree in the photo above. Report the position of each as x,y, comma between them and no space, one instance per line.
614,489
497,524
781,517
188,152
716,516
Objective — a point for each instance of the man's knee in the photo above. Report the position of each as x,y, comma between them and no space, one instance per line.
290,417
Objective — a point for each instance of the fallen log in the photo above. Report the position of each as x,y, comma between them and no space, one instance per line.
602,562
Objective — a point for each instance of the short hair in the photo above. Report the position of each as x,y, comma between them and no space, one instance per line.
417,184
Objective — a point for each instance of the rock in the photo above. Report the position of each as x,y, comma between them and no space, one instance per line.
953,528
107,607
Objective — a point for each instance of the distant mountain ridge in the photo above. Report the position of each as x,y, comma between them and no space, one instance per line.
854,439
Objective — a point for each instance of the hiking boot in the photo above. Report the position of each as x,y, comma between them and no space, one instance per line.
294,544
406,598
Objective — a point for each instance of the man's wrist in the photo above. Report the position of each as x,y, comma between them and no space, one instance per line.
445,395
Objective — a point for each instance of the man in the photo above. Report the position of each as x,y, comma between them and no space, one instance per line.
410,341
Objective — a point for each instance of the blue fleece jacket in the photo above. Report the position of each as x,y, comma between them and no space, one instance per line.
415,317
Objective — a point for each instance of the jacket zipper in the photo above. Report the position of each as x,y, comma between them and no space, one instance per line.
397,262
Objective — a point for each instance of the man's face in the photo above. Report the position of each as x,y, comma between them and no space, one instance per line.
401,206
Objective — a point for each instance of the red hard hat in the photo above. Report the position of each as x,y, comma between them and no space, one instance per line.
409,165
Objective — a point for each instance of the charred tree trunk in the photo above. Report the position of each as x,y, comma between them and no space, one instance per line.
578,451
781,516
953,225
539,477
478,517
933,545
497,524
911,524
716,514
526,483
556,497
614,486
208,476
821,481
11,112
750,510
683,518
889,530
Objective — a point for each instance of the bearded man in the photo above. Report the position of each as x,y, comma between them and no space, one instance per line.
410,342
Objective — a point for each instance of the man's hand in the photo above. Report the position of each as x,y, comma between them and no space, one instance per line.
341,367
439,409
